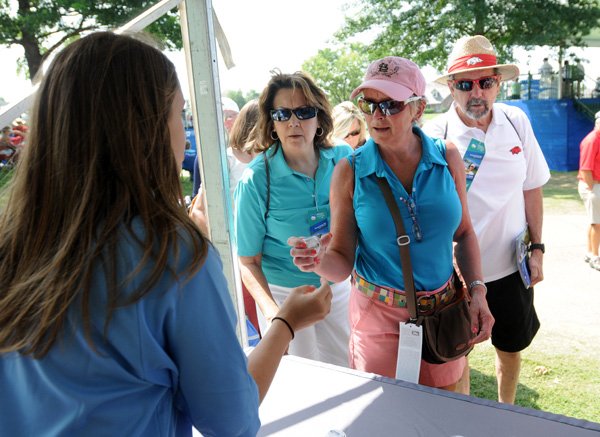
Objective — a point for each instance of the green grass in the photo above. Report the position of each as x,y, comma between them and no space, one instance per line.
553,381
560,194
187,184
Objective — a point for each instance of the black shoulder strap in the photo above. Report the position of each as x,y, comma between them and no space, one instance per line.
446,129
268,200
513,126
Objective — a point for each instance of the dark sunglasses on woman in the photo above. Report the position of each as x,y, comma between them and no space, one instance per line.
387,107
484,83
301,113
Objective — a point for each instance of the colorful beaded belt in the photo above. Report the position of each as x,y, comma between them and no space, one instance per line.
426,303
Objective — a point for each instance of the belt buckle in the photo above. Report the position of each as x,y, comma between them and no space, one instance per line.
426,304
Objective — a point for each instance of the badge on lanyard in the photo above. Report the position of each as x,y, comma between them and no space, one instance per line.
472,159
410,343
318,221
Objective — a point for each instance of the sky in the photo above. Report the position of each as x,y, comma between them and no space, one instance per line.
267,34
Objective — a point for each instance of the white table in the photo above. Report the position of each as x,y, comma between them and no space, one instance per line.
309,399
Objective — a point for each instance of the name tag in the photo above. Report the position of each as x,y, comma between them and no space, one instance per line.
472,160
408,364
318,221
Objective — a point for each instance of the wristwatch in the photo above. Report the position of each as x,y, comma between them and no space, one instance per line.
475,284
539,246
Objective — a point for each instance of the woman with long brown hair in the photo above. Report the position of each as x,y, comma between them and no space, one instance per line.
114,313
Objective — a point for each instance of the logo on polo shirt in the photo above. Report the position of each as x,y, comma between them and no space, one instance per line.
515,150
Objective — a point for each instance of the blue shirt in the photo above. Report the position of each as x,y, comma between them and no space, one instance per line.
296,202
170,361
436,210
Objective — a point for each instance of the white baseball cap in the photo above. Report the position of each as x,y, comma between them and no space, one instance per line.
229,104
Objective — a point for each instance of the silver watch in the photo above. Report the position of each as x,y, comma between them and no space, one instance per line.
475,283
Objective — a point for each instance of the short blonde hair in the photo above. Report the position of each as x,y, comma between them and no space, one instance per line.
344,115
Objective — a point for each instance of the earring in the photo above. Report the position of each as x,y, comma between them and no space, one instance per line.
274,136
319,133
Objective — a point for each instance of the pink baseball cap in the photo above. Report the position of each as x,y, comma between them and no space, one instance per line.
396,77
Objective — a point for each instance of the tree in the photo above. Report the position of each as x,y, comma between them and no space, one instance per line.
240,98
425,31
43,26
338,71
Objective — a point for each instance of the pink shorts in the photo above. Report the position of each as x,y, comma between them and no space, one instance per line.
374,331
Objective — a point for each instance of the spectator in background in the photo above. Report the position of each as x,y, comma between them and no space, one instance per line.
596,91
349,124
115,316
546,74
230,113
5,136
567,80
515,89
7,150
19,133
546,69
241,150
589,189
578,77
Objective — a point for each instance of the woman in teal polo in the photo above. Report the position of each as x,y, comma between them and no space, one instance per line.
284,192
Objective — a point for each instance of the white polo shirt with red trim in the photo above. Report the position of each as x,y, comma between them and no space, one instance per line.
513,163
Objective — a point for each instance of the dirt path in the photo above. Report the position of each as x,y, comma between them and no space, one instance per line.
568,300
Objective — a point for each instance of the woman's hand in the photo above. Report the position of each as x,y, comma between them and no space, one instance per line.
305,258
481,317
306,305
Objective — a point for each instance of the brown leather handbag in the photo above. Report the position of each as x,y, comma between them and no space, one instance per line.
446,332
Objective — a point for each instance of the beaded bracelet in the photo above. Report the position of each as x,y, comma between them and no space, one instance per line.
286,323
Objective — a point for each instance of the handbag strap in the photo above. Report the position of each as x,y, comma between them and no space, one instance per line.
403,240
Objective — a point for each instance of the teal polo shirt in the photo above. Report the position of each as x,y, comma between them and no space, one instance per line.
299,206
436,210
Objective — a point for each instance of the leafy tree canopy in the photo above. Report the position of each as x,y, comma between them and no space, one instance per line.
242,98
425,30
338,70
43,26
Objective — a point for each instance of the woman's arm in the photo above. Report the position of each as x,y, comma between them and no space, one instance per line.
197,212
256,282
303,307
335,259
467,253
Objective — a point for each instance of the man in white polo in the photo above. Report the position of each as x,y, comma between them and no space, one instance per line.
506,173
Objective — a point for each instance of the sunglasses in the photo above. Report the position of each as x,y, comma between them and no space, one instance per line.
387,107
301,113
485,83
353,133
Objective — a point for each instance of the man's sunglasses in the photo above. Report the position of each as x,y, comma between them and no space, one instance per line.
301,113
485,83
387,107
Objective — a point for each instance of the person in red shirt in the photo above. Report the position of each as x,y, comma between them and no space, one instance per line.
589,189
